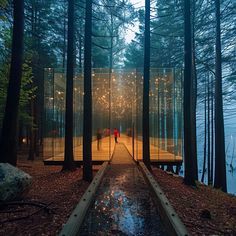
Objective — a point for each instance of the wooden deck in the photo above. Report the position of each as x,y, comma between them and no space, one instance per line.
99,156
158,156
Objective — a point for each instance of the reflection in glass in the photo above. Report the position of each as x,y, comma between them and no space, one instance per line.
117,103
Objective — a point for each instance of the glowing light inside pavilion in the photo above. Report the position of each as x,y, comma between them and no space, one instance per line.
117,102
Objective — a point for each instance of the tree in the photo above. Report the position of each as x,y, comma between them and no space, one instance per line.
205,136
87,118
8,139
68,163
133,56
194,95
220,167
111,17
134,53
189,175
146,77
167,34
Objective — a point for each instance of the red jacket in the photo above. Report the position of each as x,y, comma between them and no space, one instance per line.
116,133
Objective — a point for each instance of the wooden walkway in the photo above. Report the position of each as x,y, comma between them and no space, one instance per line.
106,149
157,155
124,204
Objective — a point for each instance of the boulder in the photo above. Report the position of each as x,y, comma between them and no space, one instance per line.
13,182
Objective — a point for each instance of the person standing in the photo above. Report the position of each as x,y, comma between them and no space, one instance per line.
116,133
99,138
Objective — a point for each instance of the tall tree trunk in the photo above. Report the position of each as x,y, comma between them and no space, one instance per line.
110,82
189,175
87,119
8,140
212,129
146,73
205,130
37,75
34,63
158,119
220,167
68,163
208,133
194,96
64,39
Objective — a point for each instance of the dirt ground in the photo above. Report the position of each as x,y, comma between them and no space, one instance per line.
50,201
203,210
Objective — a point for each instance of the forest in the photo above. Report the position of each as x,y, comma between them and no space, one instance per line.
198,36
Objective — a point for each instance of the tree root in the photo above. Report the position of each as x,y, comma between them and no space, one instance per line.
41,205
22,203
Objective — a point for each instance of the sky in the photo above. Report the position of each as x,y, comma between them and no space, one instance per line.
131,33
138,3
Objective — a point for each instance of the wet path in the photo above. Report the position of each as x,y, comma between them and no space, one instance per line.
123,204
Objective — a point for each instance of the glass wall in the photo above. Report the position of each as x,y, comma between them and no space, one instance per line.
78,114
117,103
102,146
54,113
166,114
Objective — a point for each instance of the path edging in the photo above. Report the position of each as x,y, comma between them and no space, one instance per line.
72,226
171,220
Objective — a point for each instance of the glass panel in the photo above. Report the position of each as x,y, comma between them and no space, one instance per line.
48,141
139,105
117,103
59,115
166,115
78,115
54,114
101,147
123,107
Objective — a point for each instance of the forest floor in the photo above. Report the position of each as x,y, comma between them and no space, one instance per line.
203,210
51,198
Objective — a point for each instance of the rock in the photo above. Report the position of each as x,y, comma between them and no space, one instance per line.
206,214
13,182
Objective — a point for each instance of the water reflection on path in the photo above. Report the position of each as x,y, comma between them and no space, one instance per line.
123,204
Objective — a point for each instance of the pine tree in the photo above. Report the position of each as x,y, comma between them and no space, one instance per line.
68,163
8,140
220,166
189,175
146,78
87,120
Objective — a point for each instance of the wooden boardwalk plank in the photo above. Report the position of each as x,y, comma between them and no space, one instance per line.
157,155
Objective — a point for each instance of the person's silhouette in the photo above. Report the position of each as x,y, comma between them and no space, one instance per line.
99,138
116,133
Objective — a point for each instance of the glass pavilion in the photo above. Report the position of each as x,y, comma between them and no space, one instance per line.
117,103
